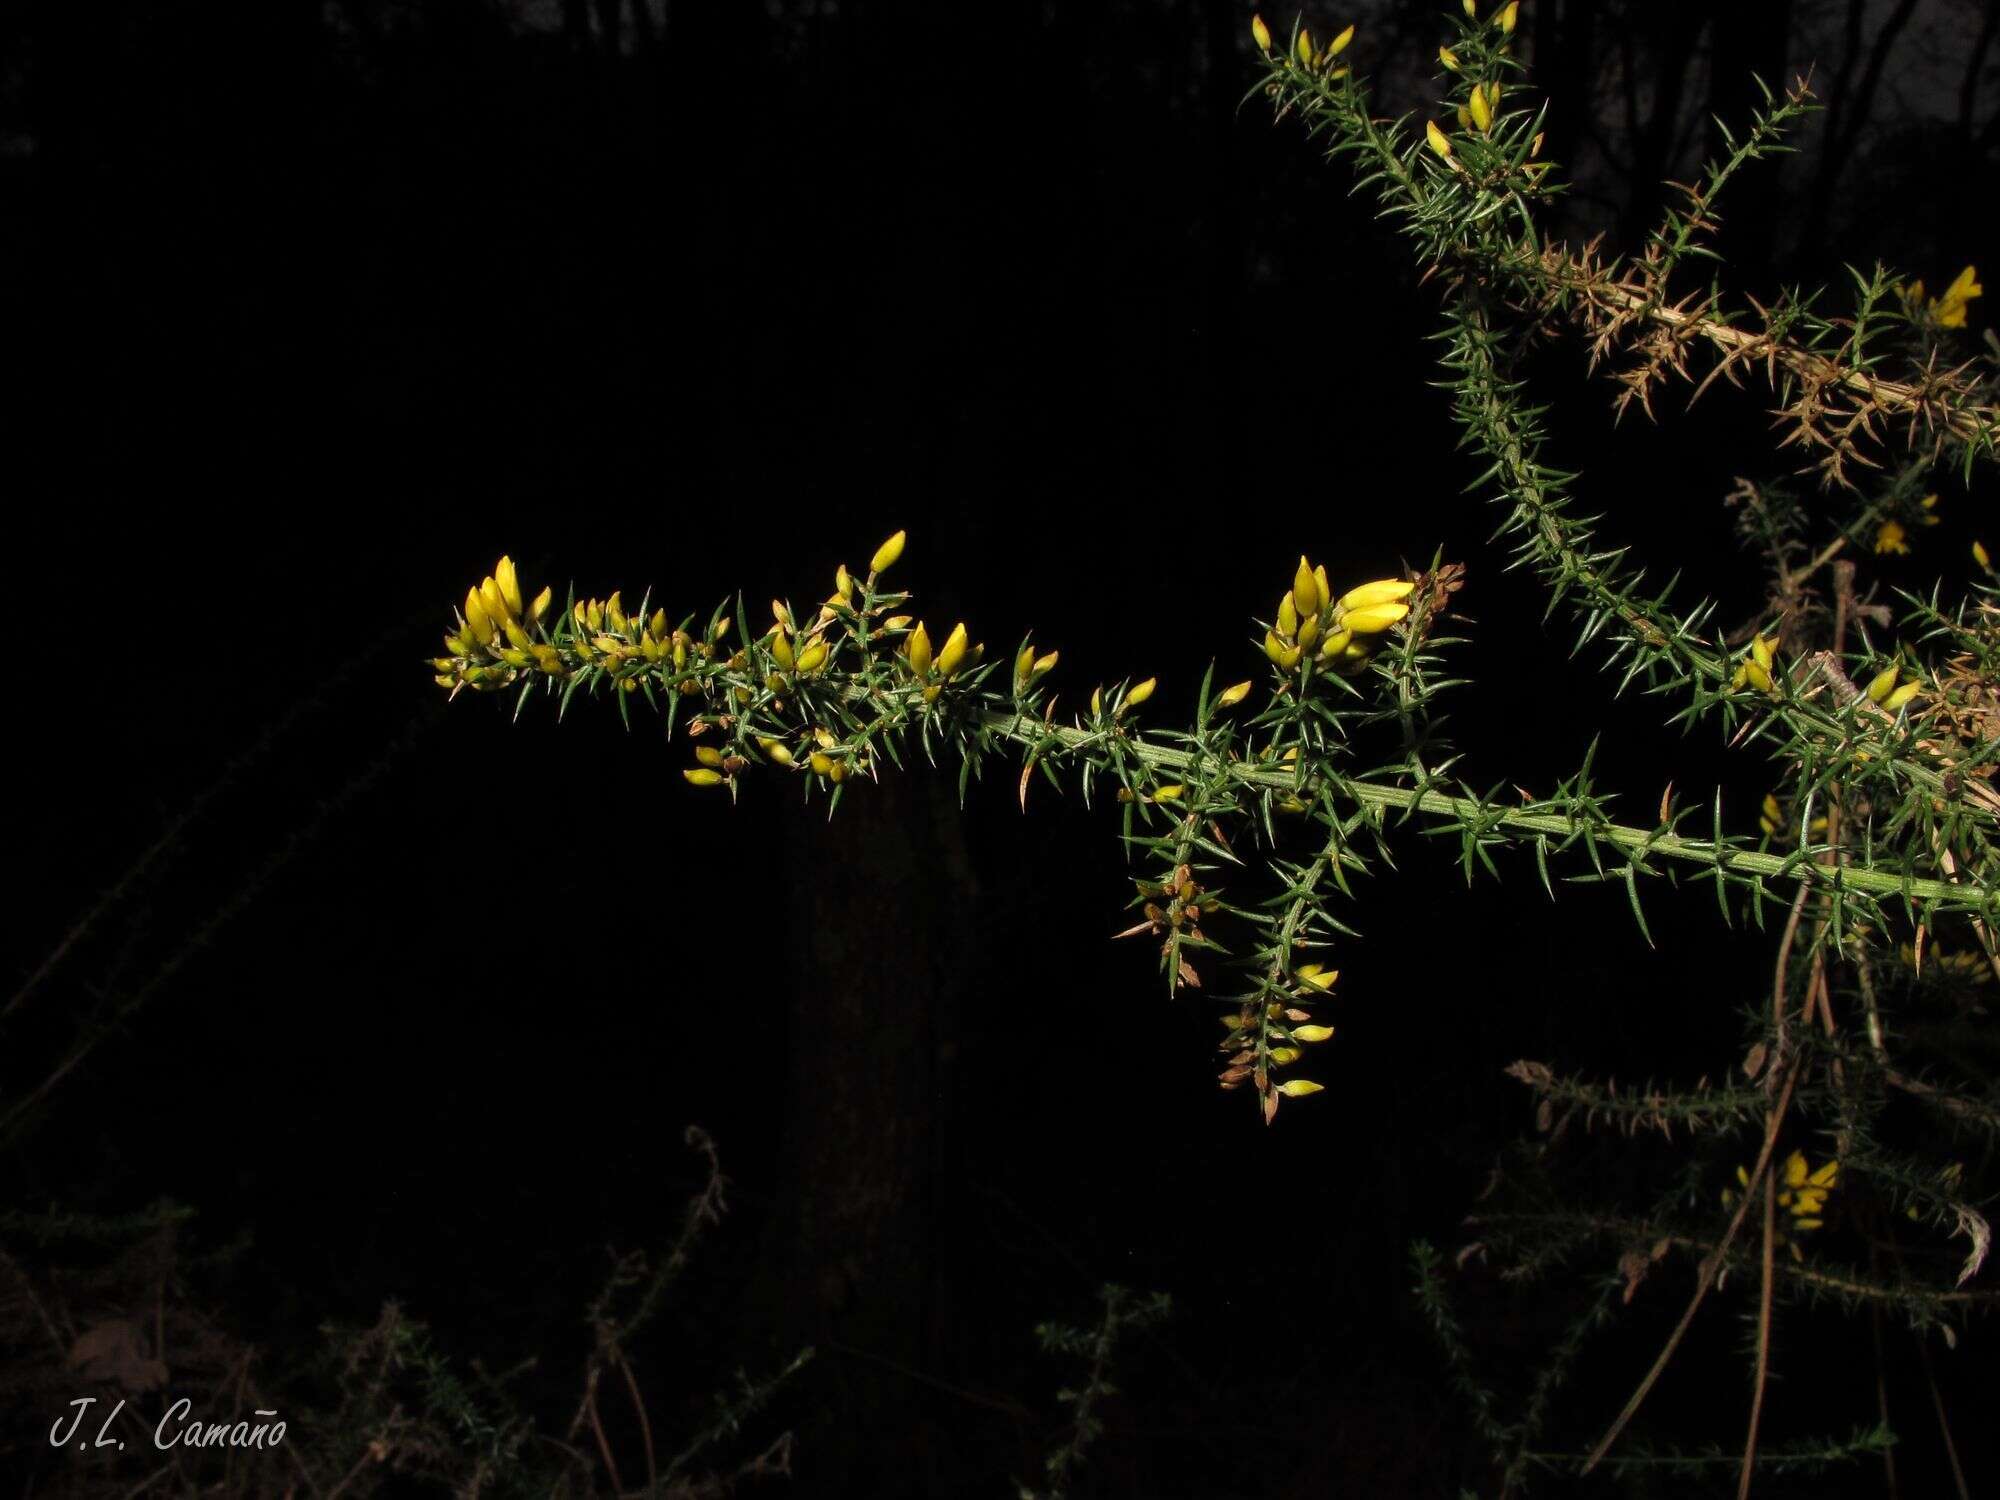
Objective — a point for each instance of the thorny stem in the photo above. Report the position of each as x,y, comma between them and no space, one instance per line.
1523,823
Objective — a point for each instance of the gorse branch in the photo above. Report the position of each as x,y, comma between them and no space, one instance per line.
1251,825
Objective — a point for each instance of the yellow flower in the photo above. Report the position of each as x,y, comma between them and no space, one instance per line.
1339,44
1979,556
1304,47
1260,33
919,648
1883,683
1439,141
1949,310
1802,1190
1891,537
702,776
1298,1088
1509,17
1449,58
1901,697
1141,693
1229,697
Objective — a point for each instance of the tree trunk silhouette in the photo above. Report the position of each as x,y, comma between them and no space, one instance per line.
881,902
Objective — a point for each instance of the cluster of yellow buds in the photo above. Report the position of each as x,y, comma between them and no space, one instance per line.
603,635
1340,634
1802,1190
825,757
1882,688
497,635
1287,1028
934,668
1757,666
1506,18
1481,105
800,653
1030,669
1949,310
1312,59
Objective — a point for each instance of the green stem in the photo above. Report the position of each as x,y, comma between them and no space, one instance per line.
1527,823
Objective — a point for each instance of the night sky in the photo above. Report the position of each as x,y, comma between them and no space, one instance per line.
313,313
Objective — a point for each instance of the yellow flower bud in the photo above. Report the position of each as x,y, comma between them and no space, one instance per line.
1047,664
813,657
1141,693
1260,34
1476,106
886,554
1317,977
1286,657
1883,683
919,649
1229,697
781,649
1762,651
495,602
1024,666
1305,591
1339,44
775,752
510,585
518,637
1470,13
540,606
476,619
1509,17
1288,617
702,776
1312,1033
1305,47
1375,618
1756,676
548,659
1172,793
1096,702
1335,643
1282,1056
1439,141
1308,632
821,762
708,755
1449,58
614,613
1382,591
952,657
1896,700
1299,1088
1979,556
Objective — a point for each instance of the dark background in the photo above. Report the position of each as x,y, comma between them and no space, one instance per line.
313,311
